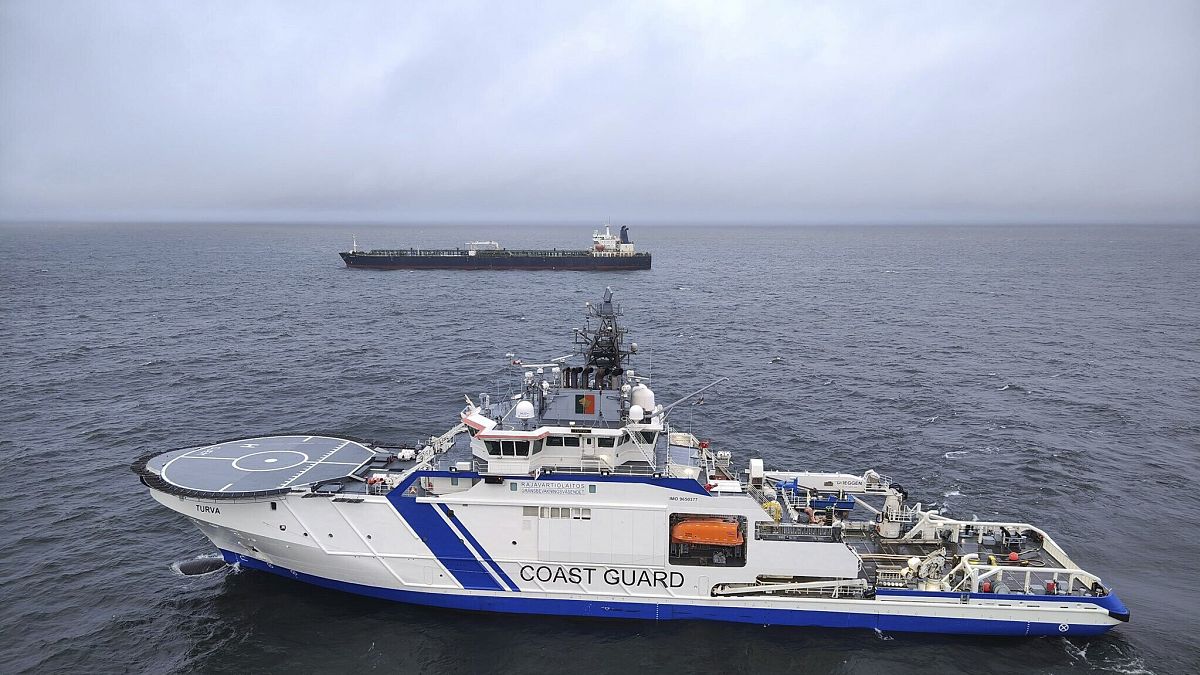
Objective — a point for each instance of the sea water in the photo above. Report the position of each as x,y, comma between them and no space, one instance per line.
1042,374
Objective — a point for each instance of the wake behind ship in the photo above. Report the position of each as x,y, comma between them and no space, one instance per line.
574,493
608,252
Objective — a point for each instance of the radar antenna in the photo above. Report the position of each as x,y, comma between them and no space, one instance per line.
604,346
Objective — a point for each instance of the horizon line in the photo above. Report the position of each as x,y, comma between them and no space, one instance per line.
347,221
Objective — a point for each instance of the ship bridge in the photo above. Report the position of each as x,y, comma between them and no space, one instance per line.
594,414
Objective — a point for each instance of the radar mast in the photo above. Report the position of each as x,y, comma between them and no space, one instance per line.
603,347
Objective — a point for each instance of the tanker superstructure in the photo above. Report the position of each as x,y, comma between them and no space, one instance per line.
608,253
572,493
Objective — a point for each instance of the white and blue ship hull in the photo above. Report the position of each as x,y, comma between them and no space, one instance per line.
894,615
576,497
451,552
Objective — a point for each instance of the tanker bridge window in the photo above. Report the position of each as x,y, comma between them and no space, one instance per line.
705,540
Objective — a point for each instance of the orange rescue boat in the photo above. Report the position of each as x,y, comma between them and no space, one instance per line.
712,531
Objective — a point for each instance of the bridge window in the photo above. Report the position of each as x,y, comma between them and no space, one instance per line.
707,540
606,442
554,441
515,448
646,437
493,447
571,441
536,447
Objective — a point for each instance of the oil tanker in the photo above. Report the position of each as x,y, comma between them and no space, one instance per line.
608,252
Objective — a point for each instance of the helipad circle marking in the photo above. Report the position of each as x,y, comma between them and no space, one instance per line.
303,459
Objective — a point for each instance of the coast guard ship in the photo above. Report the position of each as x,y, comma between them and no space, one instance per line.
573,494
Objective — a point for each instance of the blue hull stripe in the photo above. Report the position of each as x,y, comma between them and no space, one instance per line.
444,543
458,524
653,611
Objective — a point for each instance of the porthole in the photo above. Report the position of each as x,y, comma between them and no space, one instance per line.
282,528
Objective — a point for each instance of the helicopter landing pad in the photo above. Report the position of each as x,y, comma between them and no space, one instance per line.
269,463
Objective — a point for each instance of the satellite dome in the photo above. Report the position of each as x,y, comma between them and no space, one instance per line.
525,410
642,396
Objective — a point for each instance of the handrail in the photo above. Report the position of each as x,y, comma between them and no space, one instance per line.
974,573
1048,544
618,469
796,532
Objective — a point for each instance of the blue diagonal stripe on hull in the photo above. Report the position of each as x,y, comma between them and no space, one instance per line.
475,542
443,542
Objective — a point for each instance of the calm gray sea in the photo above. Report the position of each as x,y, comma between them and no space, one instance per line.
1043,373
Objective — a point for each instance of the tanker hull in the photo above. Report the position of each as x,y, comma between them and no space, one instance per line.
582,261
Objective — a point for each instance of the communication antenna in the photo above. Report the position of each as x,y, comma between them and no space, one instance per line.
701,390
650,365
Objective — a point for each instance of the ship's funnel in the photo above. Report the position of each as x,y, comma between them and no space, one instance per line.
625,235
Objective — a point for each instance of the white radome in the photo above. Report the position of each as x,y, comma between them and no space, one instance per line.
525,410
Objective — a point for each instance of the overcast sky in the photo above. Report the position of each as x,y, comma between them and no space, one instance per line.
681,111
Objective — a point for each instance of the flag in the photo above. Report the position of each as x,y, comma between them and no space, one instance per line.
585,404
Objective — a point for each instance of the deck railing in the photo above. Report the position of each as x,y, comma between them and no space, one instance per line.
1029,579
796,532
620,469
